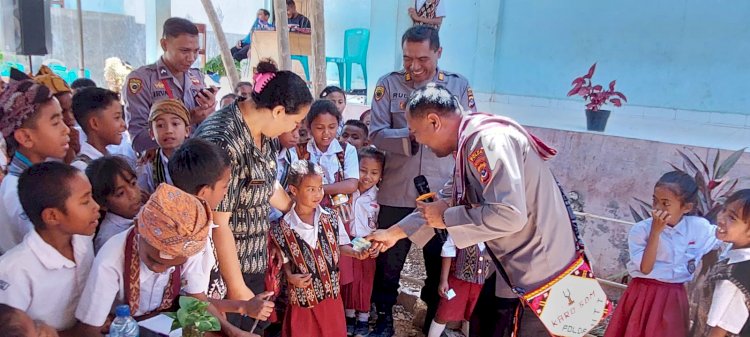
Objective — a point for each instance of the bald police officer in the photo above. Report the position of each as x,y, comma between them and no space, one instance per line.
170,77
405,159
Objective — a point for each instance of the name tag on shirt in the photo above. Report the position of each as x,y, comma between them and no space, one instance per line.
257,182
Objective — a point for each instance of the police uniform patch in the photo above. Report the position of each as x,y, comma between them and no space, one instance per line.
195,81
478,159
407,77
470,95
441,76
159,85
135,85
379,92
402,105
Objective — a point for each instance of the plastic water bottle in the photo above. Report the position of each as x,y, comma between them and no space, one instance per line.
123,325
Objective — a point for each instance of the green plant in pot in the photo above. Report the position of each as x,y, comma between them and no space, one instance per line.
193,318
595,97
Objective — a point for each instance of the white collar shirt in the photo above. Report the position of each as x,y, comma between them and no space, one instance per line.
728,310
366,211
330,161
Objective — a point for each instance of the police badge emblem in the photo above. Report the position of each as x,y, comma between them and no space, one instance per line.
135,85
379,92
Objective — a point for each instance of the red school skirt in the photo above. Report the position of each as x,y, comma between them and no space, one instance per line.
651,308
326,319
356,295
460,307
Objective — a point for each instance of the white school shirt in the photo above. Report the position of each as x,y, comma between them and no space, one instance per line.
14,224
125,148
728,310
449,248
112,225
680,249
330,161
146,174
366,211
37,279
90,151
105,287
308,232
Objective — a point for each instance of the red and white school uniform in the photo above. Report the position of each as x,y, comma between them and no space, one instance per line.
357,294
468,272
656,304
317,310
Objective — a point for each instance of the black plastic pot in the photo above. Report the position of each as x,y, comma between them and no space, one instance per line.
596,120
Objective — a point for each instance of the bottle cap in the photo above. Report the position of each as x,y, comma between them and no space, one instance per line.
122,310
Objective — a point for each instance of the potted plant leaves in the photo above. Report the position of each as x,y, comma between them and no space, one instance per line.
193,318
595,97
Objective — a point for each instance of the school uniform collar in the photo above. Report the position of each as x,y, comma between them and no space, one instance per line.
118,220
334,148
18,164
372,192
48,255
680,227
738,255
90,151
287,155
162,69
438,78
294,220
164,158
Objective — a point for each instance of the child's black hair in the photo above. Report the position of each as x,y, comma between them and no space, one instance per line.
359,124
331,89
43,186
743,196
322,107
240,85
300,169
82,82
371,152
92,100
103,173
197,163
364,114
9,323
682,185
285,89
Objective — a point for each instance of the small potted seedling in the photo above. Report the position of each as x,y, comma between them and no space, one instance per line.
193,318
595,97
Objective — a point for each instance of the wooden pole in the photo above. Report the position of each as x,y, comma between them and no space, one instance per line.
226,56
282,27
81,63
318,46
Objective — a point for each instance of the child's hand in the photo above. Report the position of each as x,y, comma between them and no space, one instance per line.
259,307
374,252
659,221
362,255
443,288
300,280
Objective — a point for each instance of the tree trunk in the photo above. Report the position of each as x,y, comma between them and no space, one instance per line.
282,27
318,46
226,56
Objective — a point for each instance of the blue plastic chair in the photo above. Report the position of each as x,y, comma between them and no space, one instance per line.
305,64
340,64
356,43
59,69
5,68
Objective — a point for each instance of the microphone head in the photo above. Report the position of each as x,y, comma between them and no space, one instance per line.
420,182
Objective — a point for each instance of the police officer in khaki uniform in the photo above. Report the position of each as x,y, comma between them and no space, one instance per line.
405,159
170,77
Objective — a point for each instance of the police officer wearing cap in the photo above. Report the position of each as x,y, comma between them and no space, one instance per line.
170,77
406,159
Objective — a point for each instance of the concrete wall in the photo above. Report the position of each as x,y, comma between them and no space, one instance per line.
607,173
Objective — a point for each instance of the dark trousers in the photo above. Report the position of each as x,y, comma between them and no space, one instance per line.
256,283
433,263
390,263
496,317
240,54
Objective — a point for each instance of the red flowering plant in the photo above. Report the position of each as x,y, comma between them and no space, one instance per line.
595,95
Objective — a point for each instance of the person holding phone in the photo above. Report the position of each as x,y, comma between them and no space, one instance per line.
171,77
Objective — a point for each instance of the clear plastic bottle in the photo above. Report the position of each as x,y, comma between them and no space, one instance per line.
341,204
124,325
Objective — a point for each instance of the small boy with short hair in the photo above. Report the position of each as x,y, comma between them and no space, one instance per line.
99,113
355,133
43,274
151,264
169,123
31,121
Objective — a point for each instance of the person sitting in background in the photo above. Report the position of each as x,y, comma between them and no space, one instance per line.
244,89
242,50
81,83
227,100
297,22
428,12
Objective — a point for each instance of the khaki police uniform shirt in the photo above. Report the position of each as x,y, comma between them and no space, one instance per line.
388,130
517,210
150,84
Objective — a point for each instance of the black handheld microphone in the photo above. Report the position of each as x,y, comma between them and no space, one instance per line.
423,189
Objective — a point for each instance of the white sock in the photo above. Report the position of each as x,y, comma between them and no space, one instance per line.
363,316
436,329
349,313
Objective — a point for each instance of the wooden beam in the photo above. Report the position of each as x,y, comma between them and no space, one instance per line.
282,26
226,56
318,46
